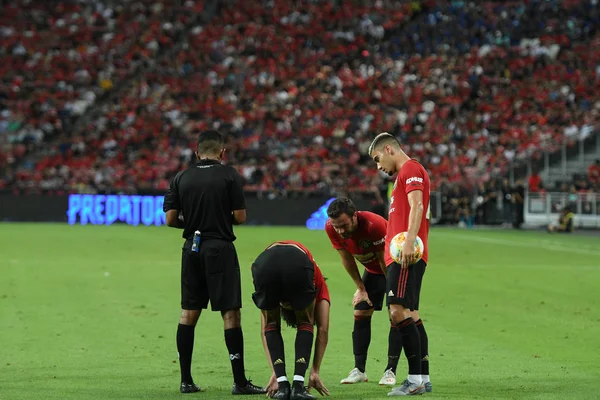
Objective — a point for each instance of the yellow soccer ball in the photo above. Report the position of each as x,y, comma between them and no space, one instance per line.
396,247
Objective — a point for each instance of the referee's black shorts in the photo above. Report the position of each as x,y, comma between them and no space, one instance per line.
211,274
404,285
283,273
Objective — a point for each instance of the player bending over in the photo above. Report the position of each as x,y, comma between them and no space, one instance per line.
360,235
288,281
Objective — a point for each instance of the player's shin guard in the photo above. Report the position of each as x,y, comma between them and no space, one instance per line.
412,346
304,342
234,339
275,345
361,338
424,348
185,347
394,348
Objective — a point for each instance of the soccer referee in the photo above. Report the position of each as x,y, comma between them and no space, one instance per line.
210,198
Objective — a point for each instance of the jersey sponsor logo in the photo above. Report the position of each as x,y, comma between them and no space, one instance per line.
414,179
364,258
365,244
381,241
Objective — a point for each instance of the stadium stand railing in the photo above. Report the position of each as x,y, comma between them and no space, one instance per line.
544,208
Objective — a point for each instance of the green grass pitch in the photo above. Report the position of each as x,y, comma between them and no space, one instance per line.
91,312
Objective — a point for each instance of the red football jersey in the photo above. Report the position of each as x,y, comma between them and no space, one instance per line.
366,241
412,176
319,280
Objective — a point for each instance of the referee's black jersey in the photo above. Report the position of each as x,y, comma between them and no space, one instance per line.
206,194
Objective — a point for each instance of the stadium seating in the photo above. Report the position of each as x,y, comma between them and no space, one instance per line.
101,98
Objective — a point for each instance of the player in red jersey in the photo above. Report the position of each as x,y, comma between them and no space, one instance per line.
288,282
360,235
409,212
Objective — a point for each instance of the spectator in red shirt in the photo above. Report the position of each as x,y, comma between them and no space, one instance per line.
594,172
534,182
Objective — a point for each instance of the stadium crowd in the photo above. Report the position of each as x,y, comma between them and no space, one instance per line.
104,95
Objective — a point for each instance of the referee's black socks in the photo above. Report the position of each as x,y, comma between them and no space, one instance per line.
361,338
185,347
234,339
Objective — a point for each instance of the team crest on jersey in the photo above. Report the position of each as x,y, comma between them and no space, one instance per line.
365,244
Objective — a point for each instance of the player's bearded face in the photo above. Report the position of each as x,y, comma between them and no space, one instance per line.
344,225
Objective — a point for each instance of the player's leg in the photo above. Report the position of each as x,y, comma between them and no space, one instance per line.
401,286
424,340
224,285
194,298
361,334
276,351
300,292
375,285
303,349
266,275
361,338
395,335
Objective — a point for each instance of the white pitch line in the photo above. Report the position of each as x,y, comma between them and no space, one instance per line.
519,244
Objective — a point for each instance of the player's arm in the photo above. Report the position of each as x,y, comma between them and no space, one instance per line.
415,200
350,266
381,258
272,385
263,324
322,337
378,232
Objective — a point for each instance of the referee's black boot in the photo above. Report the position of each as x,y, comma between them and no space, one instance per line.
284,391
189,387
248,388
299,392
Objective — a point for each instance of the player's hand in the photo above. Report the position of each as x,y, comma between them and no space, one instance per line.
272,387
408,253
359,296
315,382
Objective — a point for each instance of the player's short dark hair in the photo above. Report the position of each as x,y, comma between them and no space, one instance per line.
210,142
383,139
339,206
